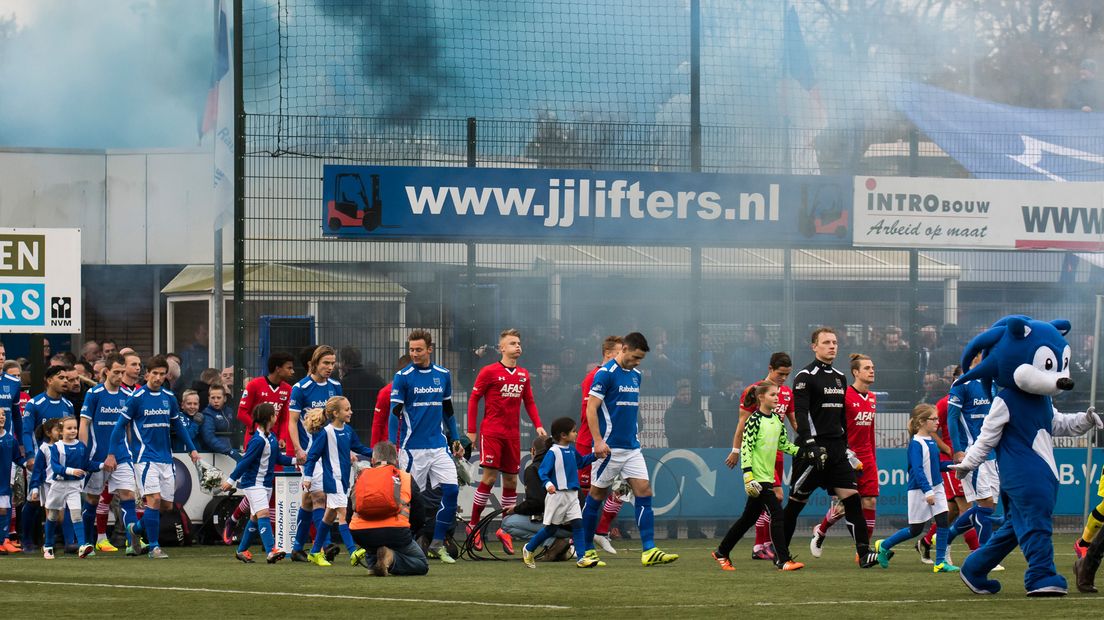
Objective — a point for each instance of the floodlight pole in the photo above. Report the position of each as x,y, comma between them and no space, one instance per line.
1091,439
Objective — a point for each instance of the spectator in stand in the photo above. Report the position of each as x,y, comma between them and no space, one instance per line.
107,347
207,378
382,529
899,374
526,518
724,406
360,384
684,425
79,388
553,396
192,419
214,434
935,387
172,380
226,379
1085,94
90,352
195,357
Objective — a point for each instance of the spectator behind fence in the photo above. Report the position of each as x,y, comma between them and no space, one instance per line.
684,425
387,506
724,406
1085,94
207,378
360,383
214,434
192,419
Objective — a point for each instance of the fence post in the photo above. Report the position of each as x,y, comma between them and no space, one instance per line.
695,86
239,203
471,142
914,323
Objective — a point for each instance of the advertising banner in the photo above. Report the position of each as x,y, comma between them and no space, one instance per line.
585,206
978,214
40,281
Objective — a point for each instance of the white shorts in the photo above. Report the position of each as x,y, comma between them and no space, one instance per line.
561,507
983,482
337,500
65,493
624,463
258,498
434,465
315,480
918,509
121,478
158,478
5,501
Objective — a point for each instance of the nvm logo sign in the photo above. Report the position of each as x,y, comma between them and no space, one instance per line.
61,310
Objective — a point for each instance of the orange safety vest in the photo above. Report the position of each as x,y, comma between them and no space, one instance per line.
382,498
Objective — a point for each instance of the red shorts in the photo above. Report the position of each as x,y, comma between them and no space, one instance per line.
952,486
779,464
584,472
500,453
868,479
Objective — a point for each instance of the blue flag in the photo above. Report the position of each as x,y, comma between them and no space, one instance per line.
996,141
795,55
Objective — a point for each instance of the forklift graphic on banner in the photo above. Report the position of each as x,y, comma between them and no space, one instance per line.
351,205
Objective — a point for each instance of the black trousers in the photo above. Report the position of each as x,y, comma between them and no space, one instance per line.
752,509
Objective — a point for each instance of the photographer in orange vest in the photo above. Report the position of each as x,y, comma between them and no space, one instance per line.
388,507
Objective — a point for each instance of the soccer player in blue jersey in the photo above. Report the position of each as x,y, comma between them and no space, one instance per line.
421,394
255,474
103,405
612,408
311,393
329,452
49,404
151,410
9,448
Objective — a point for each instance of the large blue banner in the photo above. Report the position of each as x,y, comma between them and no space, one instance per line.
996,141
697,484
500,204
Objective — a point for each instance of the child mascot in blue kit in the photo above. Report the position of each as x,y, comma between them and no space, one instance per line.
1029,362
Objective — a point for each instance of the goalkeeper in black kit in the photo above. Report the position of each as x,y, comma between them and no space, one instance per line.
822,460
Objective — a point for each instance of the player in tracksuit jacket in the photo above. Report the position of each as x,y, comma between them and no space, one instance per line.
332,446
819,410
255,474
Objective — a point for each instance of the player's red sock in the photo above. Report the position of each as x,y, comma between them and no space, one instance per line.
610,511
928,536
509,498
830,518
103,508
241,511
762,529
870,514
482,496
971,539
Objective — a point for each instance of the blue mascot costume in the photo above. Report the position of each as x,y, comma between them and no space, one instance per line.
1029,362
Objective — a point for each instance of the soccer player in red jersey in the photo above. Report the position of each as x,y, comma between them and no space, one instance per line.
275,390
778,370
504,385
859,408
382,416
584,444
951,486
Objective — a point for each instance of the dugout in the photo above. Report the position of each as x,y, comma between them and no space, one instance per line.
303,305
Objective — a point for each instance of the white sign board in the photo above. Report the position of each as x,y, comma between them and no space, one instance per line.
978,214
40,280
288,497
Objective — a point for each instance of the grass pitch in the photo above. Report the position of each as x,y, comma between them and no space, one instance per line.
209,582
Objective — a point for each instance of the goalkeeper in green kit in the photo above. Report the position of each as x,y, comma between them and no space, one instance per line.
764,435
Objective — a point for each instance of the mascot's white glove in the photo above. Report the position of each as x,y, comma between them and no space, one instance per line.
961,470
1093,417
751,485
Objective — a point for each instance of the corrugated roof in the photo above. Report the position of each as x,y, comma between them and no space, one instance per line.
276,278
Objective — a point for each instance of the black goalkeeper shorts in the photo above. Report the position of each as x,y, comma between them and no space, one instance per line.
837,473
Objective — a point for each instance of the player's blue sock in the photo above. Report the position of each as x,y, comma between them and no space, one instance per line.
130,515
247,537
321,529
592,508
347,538
942,536
302,529
78,531
88,516
67,529
151,523
983,520
446,516
542,535
963,524
898,537
5,523
264,527
29,516
577,537
645,522
49,534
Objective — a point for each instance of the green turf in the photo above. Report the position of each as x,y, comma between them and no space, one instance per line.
693,587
